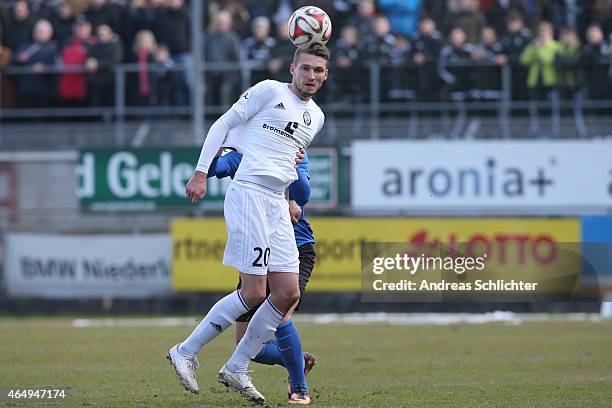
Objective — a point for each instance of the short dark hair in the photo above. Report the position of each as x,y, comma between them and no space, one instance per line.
316,49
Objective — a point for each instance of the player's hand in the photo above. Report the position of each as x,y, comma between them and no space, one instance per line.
299,157
295,211
196,187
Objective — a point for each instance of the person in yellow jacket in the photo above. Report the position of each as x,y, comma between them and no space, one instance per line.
542,76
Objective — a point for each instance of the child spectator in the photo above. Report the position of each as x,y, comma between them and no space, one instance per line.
542,76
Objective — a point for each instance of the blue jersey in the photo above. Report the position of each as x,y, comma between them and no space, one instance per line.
227,165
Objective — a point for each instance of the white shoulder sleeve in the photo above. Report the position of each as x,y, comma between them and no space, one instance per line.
254,98
249,103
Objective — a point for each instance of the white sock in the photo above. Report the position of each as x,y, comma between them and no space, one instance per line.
261,328
221,316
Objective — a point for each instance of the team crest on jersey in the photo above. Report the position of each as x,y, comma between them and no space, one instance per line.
307,118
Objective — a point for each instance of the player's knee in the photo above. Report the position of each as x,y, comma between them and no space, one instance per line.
253,296
289,296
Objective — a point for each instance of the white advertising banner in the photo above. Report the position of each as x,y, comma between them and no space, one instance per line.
397,174
78,266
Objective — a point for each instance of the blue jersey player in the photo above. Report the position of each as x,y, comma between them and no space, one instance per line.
286,348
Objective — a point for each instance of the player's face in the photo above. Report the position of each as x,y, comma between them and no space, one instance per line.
309,73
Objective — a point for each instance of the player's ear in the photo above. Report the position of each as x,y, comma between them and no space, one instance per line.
292,68
326,73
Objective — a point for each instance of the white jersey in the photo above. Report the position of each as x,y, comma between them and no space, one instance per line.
276,124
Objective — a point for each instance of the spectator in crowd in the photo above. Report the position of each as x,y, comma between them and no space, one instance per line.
98,13
403,15
379,45
595,61
176,35
454,69
38,89
282,55
40,9
567,62
222,45
555,12
63,22
516,38
466,15
144,88
257,8
102,58
499,10
436,10
363,20
539,57
118,18
8,81
257,47
239,15
514,42
402,76
144,15
454,65
166,78
348,76
425,51
19,26
73,85
486,76
257,50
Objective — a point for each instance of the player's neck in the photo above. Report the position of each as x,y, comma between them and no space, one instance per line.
304,97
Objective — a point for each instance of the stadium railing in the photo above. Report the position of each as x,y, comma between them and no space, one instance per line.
388,105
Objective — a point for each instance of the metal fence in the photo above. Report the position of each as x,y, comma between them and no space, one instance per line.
381,102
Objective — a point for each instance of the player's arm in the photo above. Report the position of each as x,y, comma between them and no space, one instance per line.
225,166
247,106
299,190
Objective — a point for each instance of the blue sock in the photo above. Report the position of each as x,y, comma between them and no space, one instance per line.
269,354
290,349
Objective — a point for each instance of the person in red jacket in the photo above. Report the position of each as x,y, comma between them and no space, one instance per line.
73,85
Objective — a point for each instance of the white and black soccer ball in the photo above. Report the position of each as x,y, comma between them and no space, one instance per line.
309,25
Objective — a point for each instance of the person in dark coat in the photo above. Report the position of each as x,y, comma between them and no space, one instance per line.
515,40
222,45
486,76
98,13
595,62
425,51
257,49
174,30
348,76
38,89
454,65
19,26
281,55
103,56
63,22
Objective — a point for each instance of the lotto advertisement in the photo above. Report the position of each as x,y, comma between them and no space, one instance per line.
518,251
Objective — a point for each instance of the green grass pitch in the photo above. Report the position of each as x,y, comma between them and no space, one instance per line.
534,364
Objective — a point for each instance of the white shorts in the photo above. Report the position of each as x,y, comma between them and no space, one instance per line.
259,231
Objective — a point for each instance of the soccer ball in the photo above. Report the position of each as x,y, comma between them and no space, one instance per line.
309,25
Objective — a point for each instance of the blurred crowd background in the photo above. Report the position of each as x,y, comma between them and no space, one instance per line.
64,52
